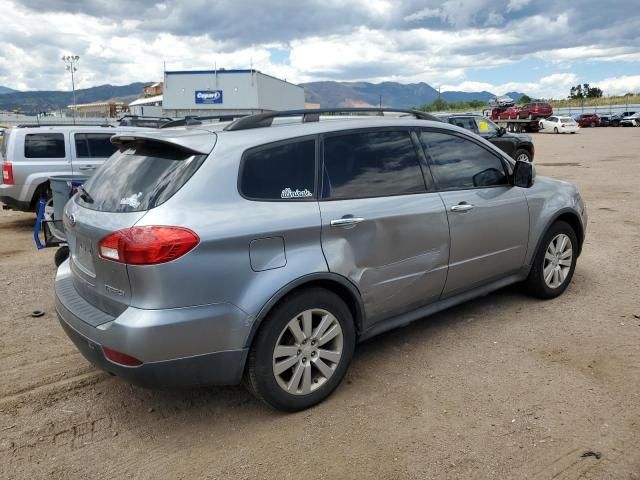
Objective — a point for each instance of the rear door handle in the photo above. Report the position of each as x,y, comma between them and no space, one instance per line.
346,222
87,167
462,207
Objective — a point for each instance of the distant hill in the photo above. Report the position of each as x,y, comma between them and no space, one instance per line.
6,90
41,101
363,94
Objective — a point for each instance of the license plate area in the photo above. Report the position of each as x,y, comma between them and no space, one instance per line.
84,254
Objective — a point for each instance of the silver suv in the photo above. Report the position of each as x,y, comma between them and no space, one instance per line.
266,250
31,154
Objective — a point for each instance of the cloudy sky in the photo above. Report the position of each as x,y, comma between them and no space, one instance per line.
538,47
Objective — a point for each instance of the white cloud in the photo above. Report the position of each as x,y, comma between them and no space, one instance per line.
556,85
439,43
619,85
515,5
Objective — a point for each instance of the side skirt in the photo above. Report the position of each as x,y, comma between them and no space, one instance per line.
409,317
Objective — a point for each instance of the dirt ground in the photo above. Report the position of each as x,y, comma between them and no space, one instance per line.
503,387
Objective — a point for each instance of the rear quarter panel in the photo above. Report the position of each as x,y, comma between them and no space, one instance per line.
219,269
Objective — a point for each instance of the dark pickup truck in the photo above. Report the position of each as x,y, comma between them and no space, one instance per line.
518,146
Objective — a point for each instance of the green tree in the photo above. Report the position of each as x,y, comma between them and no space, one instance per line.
525,99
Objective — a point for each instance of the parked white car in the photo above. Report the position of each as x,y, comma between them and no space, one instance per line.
559,124
631,120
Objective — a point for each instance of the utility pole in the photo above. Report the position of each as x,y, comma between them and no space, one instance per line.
71,62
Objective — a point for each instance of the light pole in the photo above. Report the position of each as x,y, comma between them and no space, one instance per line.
71,62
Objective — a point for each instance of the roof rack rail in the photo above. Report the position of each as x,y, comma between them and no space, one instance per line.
313,115
34,125
197,120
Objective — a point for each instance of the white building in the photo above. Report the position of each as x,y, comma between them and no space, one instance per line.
227,92
147,106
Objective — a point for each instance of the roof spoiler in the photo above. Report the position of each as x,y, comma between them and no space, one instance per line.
265,119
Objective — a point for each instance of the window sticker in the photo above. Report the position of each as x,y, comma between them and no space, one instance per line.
483,126
289,193
133,201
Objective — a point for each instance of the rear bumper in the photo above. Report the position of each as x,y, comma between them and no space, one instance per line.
185,347
10,201
219,368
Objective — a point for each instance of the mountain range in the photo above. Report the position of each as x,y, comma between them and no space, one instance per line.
47,100
389,94
328,94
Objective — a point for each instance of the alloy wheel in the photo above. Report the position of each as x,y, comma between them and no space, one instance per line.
557,261
307,352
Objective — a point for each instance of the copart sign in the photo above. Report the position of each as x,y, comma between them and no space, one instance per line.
208,96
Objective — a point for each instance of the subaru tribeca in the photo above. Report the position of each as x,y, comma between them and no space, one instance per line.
266,250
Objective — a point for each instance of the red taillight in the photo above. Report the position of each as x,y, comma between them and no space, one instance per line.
121,358
147,245
562,125
7,173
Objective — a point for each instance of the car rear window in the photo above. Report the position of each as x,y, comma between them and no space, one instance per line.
44,145
141,176
284,172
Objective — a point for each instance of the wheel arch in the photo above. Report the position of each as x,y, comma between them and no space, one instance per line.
37,193
335,283
569,216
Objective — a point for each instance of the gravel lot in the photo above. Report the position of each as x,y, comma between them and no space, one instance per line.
502,387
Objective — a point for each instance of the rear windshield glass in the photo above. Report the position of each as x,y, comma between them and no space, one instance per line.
139,177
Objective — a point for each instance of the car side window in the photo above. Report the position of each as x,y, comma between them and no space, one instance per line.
94,145
44,145
284,172
458,163
486,127
463,122
371,164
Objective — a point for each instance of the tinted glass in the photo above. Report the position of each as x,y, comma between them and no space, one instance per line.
100,145
463,122
82,147
458,163
282,172
140,177
371,164
44,145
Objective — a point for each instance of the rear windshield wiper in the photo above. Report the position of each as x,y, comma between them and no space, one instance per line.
84,195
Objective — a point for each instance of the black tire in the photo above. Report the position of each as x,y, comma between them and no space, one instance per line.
592,124
61,255
259,376
555,130
523,153
535,283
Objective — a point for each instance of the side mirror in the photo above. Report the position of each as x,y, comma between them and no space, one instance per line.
523,174
501,131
